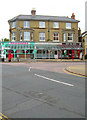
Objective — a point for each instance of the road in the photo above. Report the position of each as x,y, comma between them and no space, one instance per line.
42,90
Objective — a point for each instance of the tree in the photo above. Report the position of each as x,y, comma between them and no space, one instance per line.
6,40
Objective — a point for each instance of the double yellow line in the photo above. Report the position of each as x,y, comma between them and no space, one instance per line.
3,117
64,69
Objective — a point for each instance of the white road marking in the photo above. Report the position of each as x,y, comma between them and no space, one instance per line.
30,68
54,80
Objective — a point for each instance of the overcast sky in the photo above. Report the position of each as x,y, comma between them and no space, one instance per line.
12,8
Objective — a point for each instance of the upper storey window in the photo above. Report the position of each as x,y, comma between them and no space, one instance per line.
55,25
26,24
13,24
42,24
68,25
56,36
13,36
70,37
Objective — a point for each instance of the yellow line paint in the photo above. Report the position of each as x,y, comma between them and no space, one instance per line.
3,116
72,73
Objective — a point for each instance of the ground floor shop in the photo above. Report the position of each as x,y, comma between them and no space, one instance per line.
32,50
59,54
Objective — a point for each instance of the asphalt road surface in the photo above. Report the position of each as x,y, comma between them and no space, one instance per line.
35,93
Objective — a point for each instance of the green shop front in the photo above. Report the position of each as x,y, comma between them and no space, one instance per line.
23,49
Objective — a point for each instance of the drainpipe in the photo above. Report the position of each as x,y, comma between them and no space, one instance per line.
48,31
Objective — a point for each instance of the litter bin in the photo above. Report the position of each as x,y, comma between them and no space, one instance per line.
31,56
2,59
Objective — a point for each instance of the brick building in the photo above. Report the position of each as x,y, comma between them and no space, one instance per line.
52,36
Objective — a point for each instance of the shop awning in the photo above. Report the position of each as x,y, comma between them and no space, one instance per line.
42,47
19,46
59,47
71,47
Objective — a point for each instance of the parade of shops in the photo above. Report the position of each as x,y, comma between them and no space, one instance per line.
32,50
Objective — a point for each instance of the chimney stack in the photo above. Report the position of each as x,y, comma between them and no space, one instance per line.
79,31
33,12
73,16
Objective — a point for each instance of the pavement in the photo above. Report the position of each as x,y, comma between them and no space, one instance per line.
77,69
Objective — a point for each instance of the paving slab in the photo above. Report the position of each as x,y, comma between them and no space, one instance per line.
78,69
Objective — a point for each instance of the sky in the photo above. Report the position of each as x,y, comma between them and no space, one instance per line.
12,8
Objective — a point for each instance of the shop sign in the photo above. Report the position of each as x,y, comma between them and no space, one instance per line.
19,43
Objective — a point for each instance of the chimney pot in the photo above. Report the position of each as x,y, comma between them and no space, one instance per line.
73,16
33,11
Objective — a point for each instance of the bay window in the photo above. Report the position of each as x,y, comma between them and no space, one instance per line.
64,37
27,36
13,36
20,36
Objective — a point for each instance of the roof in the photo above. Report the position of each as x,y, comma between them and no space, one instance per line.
42,17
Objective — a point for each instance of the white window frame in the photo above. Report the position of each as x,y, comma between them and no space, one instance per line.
21,38
68,36
55,25
68,25
32,36
55,36
64,37
26,24
13,36
26,36
41,36
13,24
41,24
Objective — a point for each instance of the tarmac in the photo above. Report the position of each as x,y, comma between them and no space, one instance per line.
77,69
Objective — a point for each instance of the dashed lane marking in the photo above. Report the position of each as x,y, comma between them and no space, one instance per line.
30,68
64,83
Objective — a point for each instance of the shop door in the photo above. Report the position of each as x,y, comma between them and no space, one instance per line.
56,54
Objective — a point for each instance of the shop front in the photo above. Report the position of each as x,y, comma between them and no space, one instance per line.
63,51
23,49
32,50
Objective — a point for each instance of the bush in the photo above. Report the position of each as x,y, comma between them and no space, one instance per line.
86,56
